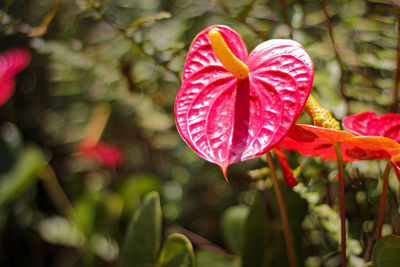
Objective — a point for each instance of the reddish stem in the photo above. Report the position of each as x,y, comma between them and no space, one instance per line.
281,204
342,202
382,201
381,213
370,242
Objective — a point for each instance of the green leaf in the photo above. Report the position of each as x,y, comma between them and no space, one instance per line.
143,237
386,252
22,175
136,187
177,252
206,258
232,226
85,213
253,246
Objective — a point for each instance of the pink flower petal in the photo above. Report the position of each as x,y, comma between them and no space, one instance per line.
7,85
226,120
11,62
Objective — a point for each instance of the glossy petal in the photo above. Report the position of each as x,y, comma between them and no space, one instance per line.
288,176
396,165
370,124
107,155
318,142
313,141
226,120
368,148
11,62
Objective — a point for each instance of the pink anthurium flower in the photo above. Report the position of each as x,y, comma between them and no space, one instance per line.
233,106
11,63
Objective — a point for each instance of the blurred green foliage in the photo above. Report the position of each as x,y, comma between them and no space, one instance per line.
386,251
130,54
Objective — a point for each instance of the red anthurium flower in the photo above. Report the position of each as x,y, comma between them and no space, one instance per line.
370,124
233,106
318,142
106,155
314,141
11,63
367,148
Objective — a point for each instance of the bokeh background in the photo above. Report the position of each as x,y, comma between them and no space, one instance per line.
113,68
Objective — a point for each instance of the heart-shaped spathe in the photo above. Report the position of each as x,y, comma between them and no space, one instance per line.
370,124
226,119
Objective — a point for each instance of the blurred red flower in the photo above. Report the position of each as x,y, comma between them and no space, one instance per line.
11,63
106,155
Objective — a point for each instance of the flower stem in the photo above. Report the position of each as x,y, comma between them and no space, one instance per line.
337,55
55,191
381,213
286,17
370,242
285,222
342,201
382,201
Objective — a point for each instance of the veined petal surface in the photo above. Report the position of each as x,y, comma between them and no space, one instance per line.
314,141
225,119
370,124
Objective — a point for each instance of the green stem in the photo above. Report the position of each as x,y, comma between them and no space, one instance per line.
281,204
382,201
286,17
337,55
397,74
342,201
55,191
